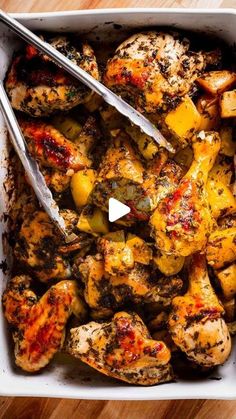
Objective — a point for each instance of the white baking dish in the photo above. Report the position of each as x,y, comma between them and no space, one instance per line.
65,377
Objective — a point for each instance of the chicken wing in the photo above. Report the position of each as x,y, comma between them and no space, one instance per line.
51,148
37,86
153,70
39,324
182,221
122,349
196,322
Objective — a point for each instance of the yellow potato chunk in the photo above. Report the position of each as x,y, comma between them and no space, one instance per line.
220,198
227,280
142,253
185,120
169,264
82,183
228,104
208,107
93,221
118,257
216,82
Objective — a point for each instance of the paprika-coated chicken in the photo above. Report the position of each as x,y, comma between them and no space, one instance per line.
39,324
196,323
153,70
123,349
37,86
51,148
182,221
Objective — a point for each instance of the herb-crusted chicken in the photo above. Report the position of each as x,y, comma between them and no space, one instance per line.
153,70
37,86
39,324
196,322
51,148
182,221
168,266
122,349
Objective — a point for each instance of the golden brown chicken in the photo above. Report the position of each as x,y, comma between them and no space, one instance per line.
41,249
135,286
153,70
196,323
182,221
51,148
37,86
122,176
123,349
39,324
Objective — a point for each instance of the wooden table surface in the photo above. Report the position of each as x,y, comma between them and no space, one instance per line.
35,408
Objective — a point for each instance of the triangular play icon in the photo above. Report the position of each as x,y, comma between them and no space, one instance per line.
117,209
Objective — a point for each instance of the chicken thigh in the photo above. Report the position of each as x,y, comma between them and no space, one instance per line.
153,70
123,349
37,86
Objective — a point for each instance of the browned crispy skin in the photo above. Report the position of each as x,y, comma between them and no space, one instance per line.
104,291
122,349
51,148
37,86
182,220
196,322
39,324
153,70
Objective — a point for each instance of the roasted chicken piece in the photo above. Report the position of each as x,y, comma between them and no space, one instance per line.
161,179
153,70
196,322
182,220
123,349
37,247
41,249
51,148
121,177
138,286
37,86
39,324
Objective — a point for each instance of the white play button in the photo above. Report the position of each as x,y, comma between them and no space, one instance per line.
117,209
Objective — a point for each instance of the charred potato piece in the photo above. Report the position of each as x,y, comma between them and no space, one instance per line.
216,82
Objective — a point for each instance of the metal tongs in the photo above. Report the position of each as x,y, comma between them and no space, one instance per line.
34,175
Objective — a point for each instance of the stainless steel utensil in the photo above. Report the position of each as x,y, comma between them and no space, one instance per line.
111,98
34,175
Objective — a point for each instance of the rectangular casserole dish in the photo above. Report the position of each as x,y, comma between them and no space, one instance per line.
65,377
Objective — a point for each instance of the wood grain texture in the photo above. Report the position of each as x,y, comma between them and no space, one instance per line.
36,408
